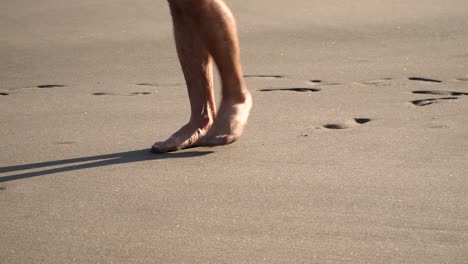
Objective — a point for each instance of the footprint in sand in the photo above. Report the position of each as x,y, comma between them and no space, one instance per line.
348,124
301,90
148,84
351,123
160,84
64,142
377,82
40,86
440,92
323,83
102,93
270,76
438,126
113,94
44,86
424,79
429,101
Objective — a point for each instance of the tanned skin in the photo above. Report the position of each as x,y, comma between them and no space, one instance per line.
205,33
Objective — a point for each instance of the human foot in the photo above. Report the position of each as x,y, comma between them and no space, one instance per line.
229,123
186,137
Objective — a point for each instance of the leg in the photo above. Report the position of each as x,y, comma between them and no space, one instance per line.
197,68
218,30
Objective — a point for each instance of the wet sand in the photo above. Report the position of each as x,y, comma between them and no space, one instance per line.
356,150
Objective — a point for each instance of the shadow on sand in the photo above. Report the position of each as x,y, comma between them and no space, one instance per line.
96,161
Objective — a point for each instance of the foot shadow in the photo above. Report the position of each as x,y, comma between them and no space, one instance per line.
95,161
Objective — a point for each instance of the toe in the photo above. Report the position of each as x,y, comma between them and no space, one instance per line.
163,147
157,148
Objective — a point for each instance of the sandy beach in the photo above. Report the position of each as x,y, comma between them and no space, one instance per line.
356,150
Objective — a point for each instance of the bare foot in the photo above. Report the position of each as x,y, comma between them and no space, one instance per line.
229,123
185,137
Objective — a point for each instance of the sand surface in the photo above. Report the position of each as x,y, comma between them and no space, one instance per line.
345,159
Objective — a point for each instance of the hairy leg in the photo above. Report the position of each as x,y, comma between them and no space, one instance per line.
197,68
219,33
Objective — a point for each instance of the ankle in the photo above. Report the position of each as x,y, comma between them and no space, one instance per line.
202,121
238,97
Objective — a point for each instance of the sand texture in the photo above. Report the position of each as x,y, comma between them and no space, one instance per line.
356,150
